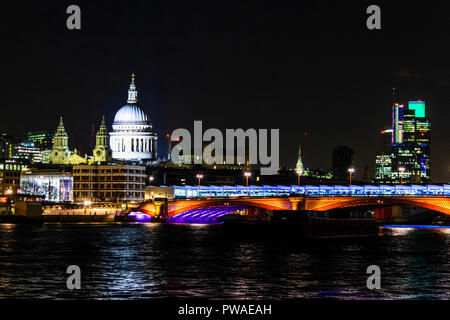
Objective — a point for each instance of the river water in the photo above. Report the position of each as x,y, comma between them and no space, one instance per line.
146,261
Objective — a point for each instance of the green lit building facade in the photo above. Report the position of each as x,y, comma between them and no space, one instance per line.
409,160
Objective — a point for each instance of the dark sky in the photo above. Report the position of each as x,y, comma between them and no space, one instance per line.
295,66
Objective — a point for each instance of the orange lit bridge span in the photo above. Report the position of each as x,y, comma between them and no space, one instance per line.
170,208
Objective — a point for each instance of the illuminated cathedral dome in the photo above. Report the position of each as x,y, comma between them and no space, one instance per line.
130,114
132,137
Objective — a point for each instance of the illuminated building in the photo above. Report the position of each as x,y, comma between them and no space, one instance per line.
342,160
383,161
397,123
299,165
9,177
53,185
27,151
418,107
409,157
42,139
45,156
383,167
102,152
318,174
111,183
132,138
413,153
60,154
60,151
409,127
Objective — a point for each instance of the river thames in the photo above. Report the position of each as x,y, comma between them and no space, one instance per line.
149,261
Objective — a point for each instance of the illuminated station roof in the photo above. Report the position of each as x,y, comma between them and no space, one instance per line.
307,190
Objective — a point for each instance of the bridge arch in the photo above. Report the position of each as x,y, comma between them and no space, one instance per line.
179,206
436,203
168,209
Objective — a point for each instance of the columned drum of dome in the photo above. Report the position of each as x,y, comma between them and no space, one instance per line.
132,137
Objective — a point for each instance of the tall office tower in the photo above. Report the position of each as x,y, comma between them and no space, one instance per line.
397,123
422,140
411,157
342,161
409,127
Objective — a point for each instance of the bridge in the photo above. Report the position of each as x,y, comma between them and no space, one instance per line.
208,203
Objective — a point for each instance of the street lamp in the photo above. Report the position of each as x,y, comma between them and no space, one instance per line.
247,174
150,179
199,176
299,173
401,170
86,203
351,170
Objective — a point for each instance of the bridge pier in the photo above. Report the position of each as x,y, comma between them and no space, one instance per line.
295,201
162,209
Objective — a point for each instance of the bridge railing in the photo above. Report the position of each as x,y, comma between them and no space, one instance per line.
309,190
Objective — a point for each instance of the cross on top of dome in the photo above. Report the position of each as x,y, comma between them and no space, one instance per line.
132,92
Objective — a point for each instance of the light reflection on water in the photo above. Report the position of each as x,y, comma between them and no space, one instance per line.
141,261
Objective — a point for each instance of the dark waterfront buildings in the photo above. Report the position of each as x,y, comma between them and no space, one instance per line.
6,146
342,161
9,177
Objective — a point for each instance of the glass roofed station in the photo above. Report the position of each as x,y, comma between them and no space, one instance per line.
322,190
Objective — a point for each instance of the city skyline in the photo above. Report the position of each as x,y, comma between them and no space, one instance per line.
213,159
131,112
302,82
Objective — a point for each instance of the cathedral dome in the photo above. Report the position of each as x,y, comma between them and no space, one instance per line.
130,114
132,138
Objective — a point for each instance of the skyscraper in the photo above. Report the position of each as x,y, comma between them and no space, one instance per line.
409,159
397,123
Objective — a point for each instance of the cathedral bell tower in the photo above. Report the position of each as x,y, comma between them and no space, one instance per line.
102,152
60,150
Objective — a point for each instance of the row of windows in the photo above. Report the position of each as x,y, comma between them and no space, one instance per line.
10,167
9,181
141,171
136,145
104,195
109,178
108,186
9,173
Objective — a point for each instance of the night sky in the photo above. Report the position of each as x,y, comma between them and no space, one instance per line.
289,65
